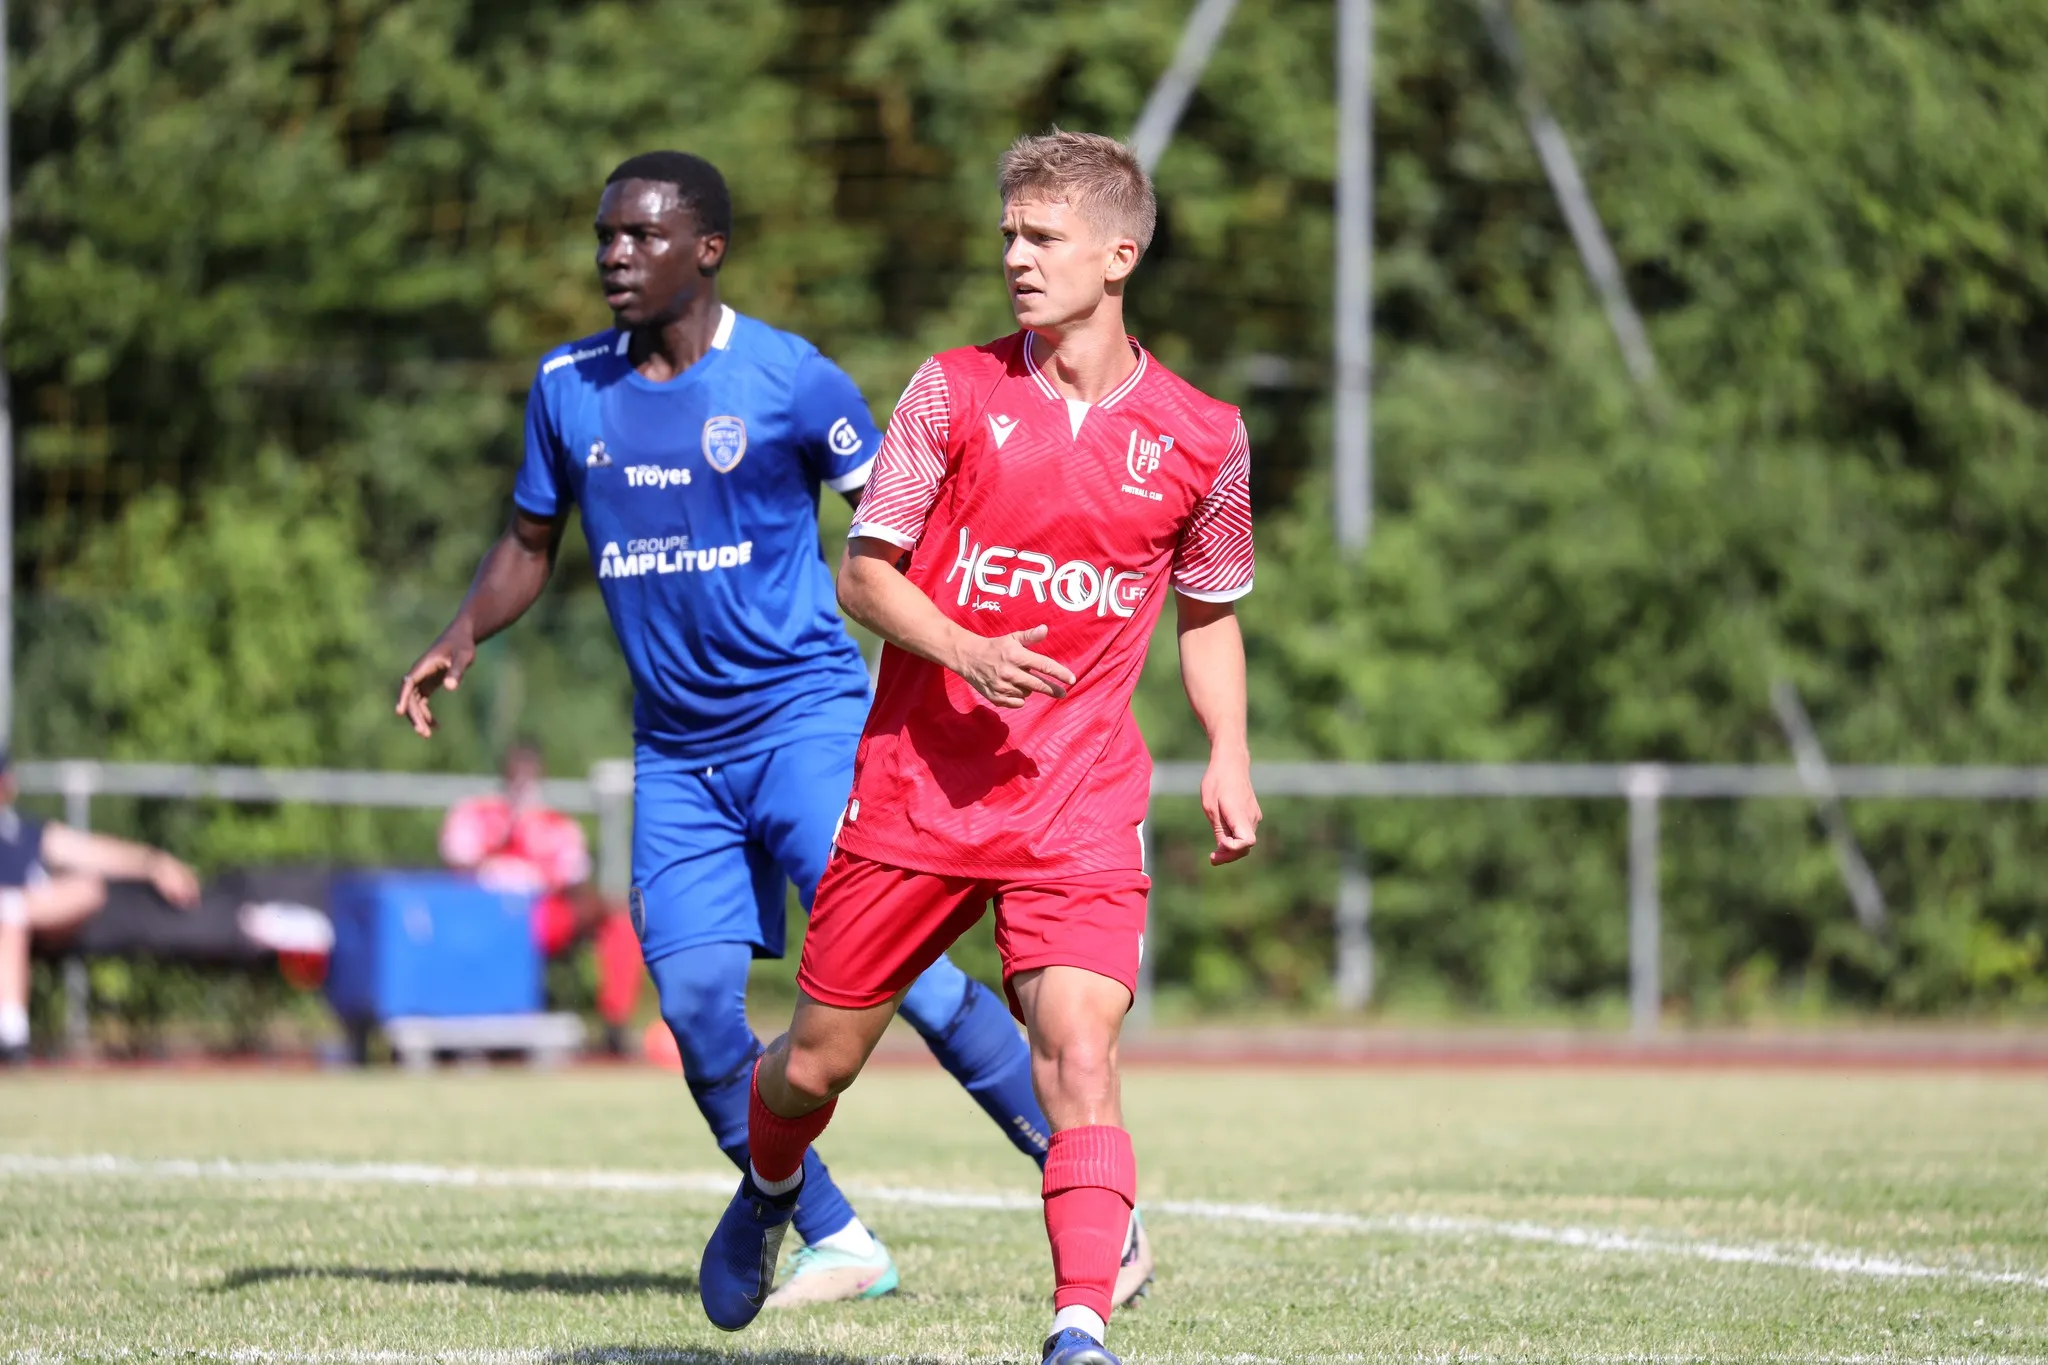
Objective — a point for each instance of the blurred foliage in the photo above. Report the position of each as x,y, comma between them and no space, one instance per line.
282,268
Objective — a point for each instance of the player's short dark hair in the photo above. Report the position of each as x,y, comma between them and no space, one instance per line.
698,185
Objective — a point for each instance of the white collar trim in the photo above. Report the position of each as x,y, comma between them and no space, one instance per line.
1045,385
720,339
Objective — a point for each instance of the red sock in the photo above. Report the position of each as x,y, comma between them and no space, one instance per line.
776,1145
1091,1181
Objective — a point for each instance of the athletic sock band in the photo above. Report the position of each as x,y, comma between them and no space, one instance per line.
1098,1156
776,1145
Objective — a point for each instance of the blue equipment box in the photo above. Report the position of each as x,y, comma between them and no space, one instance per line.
429,943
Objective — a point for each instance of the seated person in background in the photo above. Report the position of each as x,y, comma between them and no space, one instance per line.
52,879
514,843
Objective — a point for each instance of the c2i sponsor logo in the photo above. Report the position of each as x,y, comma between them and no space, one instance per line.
1076,585
655,476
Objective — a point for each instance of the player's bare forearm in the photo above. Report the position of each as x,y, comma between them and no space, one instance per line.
875,593
511,578
1212,671
1001,668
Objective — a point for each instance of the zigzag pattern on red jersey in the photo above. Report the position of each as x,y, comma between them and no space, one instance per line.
1214,562
911,464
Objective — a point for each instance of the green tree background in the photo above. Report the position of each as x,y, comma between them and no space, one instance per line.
281,269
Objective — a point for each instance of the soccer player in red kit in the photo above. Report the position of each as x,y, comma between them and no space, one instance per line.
1034,502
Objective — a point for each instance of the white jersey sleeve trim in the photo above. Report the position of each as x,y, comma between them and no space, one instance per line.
862,530
1227,595
851,479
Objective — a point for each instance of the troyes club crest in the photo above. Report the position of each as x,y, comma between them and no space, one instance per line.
725,442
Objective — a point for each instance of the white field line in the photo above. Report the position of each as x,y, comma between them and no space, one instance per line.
685,1356
1596,1240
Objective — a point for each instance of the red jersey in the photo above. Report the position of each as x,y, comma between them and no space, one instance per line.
528,848
1024,508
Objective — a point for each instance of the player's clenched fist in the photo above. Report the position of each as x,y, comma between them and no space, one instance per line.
1004,668
441,667
1232,807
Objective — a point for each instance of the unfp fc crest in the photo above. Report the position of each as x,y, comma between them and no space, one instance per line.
725,442
1142,456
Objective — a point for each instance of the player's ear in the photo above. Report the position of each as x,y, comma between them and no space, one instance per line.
710,252
1123,259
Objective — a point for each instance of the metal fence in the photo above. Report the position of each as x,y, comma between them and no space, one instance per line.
608,795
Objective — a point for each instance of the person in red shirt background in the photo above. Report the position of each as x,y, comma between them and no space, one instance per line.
513,842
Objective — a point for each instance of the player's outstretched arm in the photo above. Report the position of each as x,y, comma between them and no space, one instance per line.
1212,671
75,851
1002,668
510,579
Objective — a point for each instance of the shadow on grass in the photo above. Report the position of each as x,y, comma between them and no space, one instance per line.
567,1282
673,1355
507,1281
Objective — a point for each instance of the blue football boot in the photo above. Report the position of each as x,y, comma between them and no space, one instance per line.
1076,1347
738,1269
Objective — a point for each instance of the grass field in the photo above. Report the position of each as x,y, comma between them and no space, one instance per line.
1469,1215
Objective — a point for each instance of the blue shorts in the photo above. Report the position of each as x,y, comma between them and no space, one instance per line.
715,846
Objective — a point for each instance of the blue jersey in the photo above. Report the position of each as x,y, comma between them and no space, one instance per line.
699,498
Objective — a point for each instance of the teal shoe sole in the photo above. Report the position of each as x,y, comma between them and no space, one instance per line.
886,1285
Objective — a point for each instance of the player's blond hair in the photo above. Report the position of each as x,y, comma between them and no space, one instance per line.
1098,175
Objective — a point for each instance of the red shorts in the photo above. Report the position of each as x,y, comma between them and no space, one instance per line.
875,928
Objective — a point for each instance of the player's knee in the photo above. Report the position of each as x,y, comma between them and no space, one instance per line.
704,1006
75,899
1077,1069
935,997
821,1073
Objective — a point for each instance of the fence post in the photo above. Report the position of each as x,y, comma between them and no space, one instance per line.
611,791
1148,946
1645,784
1354,935
77,779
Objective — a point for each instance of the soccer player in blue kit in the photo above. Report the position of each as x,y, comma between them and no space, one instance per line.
694,441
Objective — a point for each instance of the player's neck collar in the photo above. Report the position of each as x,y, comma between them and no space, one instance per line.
721,340
721,337
1121,391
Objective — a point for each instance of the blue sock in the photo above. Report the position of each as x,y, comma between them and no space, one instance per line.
970,1031
704,1002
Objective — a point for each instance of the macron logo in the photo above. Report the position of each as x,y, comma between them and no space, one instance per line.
1000,428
